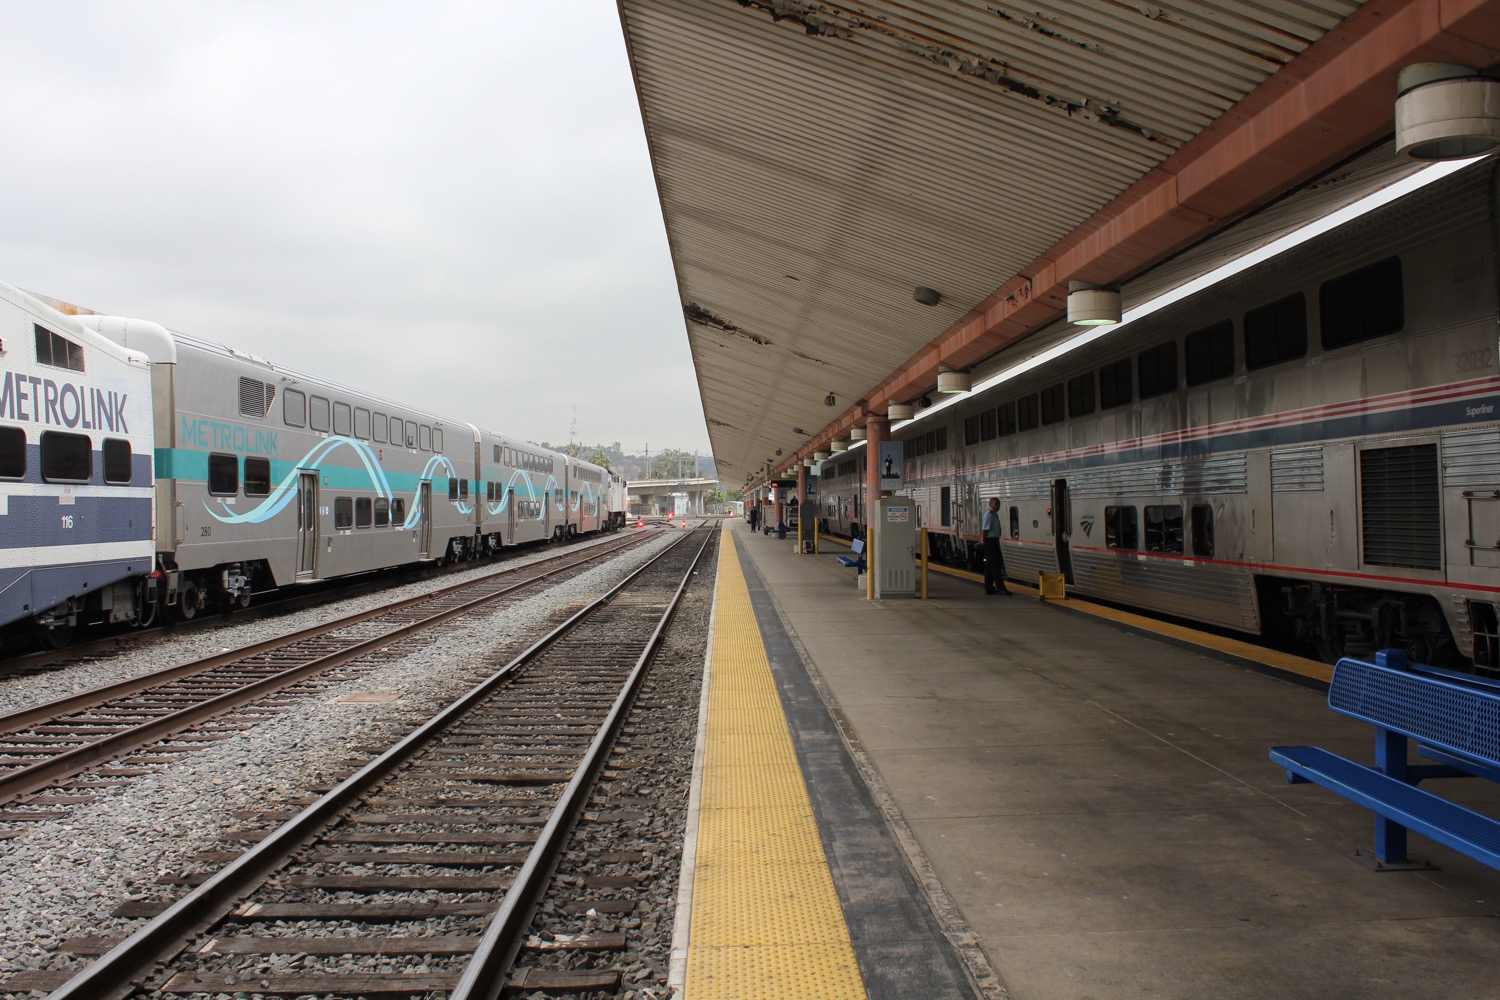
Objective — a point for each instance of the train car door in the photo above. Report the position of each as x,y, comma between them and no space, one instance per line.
1062,521
307,525
424,519
510,516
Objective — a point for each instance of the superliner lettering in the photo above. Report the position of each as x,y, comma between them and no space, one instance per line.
61,404
228,437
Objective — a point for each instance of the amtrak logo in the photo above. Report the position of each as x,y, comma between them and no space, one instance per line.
1087,524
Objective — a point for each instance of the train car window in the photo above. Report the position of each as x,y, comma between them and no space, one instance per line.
66,458
1164,529
411,434
255,397
1028,414
945,501
1208,354
398,513
1015,522
452,488
364,512
1114,385
257,477
294,408
1120,528
1053,400
117,462
1081,395
319,414
382,512
56,350
1203,530
343,419
343,513
362,423
12,453
941,439
988,428
971,430
379,426
1005,419
1157,369
223,475
437,440
463,489
425,437
1276,332
1362,305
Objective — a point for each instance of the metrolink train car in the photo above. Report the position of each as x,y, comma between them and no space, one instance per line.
238,476
1311,448
75,468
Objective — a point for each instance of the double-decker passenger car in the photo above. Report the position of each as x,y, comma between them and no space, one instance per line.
1311,447
146,471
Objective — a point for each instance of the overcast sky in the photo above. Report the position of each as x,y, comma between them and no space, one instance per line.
447,202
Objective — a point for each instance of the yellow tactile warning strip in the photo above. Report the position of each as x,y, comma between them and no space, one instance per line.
766,920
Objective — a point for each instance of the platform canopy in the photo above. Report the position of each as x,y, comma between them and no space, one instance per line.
859,195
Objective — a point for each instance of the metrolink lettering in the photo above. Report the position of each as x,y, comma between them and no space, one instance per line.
228,437
62,404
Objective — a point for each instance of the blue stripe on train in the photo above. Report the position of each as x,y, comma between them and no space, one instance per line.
1446,415
89,520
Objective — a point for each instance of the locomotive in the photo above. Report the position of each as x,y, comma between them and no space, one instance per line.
145,472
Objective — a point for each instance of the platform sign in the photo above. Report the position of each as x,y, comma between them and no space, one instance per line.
890,464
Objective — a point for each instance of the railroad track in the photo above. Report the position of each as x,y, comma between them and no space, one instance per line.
436,852
50,743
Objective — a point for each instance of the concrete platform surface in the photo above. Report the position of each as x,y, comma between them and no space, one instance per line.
1099,810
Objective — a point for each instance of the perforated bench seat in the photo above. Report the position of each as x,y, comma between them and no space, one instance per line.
1448,823
1453,719
857,560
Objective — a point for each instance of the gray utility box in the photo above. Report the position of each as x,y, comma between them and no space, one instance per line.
895,565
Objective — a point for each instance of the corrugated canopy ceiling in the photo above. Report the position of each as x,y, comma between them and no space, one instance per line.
817,162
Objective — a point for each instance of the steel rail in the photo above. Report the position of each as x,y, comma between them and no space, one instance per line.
485,975
114,973
26,717
73,760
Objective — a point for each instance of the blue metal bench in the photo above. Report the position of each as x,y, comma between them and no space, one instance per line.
1453,719
857,560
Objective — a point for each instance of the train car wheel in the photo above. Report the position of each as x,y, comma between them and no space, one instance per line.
56,637
186,608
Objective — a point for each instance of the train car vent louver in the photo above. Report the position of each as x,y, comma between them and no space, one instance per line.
1402,516
255,398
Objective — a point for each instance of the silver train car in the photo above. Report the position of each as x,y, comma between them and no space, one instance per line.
242,476
76,501
1310,449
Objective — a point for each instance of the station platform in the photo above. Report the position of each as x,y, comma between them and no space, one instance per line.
1020,799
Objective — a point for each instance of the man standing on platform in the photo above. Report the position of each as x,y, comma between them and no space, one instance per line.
994,562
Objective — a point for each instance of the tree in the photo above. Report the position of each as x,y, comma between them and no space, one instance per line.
599,458
673,464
